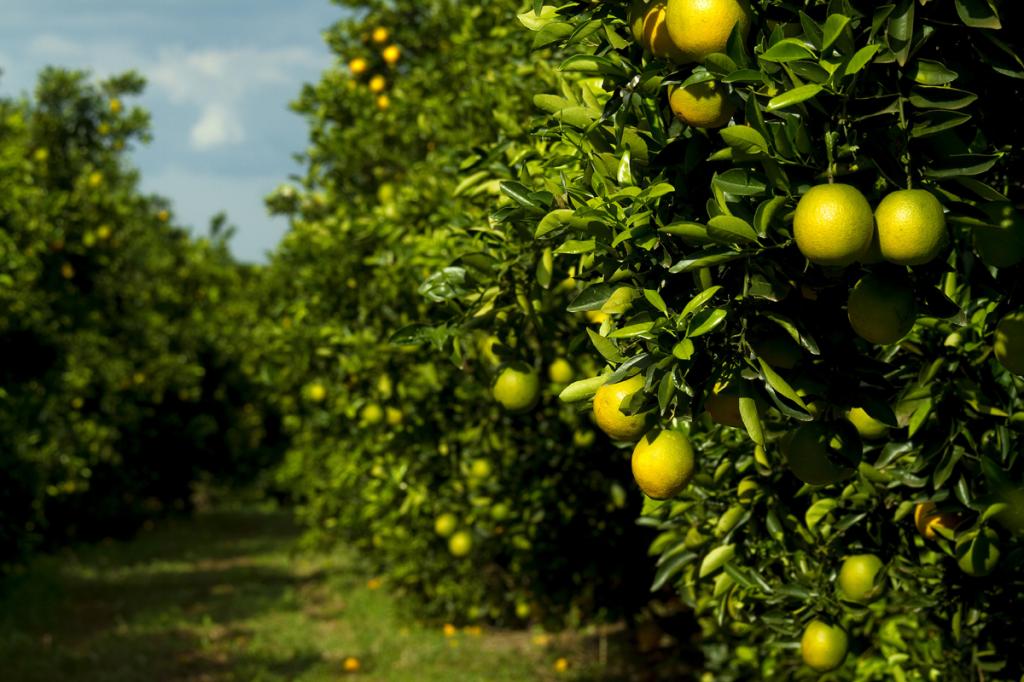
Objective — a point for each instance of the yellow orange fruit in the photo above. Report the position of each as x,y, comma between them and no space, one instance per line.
654,35
664,466
377,84
911,227
702,105
833,224
928,518
391,54
723,405
380,35
610,418
316,392
702,27
358,66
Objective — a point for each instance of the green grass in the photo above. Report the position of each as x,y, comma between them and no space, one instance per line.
227,596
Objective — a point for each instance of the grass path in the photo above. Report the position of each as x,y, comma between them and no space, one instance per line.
226,596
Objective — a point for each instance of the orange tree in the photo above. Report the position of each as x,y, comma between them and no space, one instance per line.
479,505
799,222
116,390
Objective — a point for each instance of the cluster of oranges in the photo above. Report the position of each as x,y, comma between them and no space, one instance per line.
360,67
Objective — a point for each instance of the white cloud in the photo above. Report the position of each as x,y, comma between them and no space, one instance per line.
218,126
214,81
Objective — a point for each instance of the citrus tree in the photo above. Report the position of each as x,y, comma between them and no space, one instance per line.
795,227
468,485
115,391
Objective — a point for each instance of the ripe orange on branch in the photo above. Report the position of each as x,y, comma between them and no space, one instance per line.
833,224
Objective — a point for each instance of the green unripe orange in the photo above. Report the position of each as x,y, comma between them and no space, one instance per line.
823,647
858,577
560,371
517,388
460,544
978,553
881,310
1009,343
445,524
820,454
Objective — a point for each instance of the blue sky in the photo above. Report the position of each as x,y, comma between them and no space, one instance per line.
221,74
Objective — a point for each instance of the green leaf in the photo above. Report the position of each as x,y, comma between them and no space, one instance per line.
632,330
978,14
655,299
577,117
962,164
739,181
536,21
684,349
699,301
706,260
751,419
583,389
766,212
780,386
592,298
860,59
624,176
729,228
744,139
930,72
715,559
935,122
558,219
576,246
554,32
687,230
606,348
794,96
834,26
901,30
584,63
670,568
927,97
666,389
522,195
787,50
819,510
706,321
